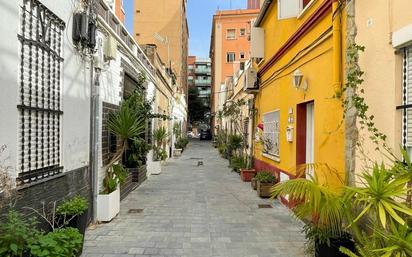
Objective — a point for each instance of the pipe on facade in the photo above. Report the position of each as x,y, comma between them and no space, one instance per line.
262,14
337,45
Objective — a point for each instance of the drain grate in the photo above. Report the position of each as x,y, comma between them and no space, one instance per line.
264,206
135,211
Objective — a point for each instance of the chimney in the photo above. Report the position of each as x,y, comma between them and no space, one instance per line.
253,4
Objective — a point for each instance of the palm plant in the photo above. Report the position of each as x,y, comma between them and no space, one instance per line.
320,205
160,136
125,124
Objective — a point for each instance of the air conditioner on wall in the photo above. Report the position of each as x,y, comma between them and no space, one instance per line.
251,80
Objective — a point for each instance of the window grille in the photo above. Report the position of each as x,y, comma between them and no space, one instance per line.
40,37
271,131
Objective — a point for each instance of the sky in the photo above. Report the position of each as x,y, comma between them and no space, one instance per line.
199,16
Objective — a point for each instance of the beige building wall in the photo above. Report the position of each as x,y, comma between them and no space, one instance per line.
382,63
164,23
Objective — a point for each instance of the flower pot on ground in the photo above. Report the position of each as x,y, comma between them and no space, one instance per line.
108,205
265,181
253,183
247,174
238,162
177,152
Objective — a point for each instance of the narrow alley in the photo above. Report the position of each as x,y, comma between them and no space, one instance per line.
191,210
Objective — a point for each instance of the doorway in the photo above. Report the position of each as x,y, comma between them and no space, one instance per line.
305,137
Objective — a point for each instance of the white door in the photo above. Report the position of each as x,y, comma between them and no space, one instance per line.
310,135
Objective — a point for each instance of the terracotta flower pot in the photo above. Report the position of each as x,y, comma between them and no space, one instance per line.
253,183
264,189
247,174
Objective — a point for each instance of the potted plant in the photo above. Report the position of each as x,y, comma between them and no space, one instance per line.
127,125
322,208
253,183
137,159
73,213
265,181
159,151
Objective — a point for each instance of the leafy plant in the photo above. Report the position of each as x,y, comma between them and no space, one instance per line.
137,155
74,206
322,207
65,242
181,143
234,145
117,175
160,136
238,162
126,125
16,234
265,177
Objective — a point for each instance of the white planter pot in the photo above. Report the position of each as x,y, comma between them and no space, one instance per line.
108,206
156,168
177,152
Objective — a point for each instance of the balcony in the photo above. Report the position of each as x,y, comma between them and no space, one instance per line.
203,70
203,82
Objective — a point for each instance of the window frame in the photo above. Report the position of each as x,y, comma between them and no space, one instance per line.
242,54
240,32
234,34
227,57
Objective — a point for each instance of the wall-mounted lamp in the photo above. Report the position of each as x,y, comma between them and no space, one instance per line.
297,79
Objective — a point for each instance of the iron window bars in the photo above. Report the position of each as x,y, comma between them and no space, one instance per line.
41,36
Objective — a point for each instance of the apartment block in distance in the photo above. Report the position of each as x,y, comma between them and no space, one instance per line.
229,48
164,24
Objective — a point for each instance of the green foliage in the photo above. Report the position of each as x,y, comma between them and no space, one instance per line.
234,145
233,112
160,136
380,194
181,143
126,124
115,176
137,154
238,162
197,106
64,242
16,234
159,153
265,177
74,206
322,207
177,130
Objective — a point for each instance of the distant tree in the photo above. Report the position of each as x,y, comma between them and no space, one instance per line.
198,107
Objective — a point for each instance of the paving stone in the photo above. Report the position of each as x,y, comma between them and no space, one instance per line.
195,211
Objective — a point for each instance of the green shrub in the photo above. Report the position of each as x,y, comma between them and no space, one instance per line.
16,234
238,162
64,242
75,206
265,177
181,143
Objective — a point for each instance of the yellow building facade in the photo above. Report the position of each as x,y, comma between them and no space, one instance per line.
298,119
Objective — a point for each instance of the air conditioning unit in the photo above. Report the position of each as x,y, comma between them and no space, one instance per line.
110,48
251,80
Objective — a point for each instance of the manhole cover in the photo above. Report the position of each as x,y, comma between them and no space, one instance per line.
135,211
263,206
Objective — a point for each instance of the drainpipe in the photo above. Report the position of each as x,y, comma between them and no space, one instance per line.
94,128
337,46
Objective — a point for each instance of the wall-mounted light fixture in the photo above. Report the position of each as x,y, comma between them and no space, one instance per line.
298,81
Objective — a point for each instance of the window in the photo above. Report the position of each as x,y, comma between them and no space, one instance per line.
40,113
230,57
242,65
242,55
242,32
231,34
291,8
271,130
407,100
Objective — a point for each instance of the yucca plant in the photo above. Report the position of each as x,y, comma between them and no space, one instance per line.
159,136
125,124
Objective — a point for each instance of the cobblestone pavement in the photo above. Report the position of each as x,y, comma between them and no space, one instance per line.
197,211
